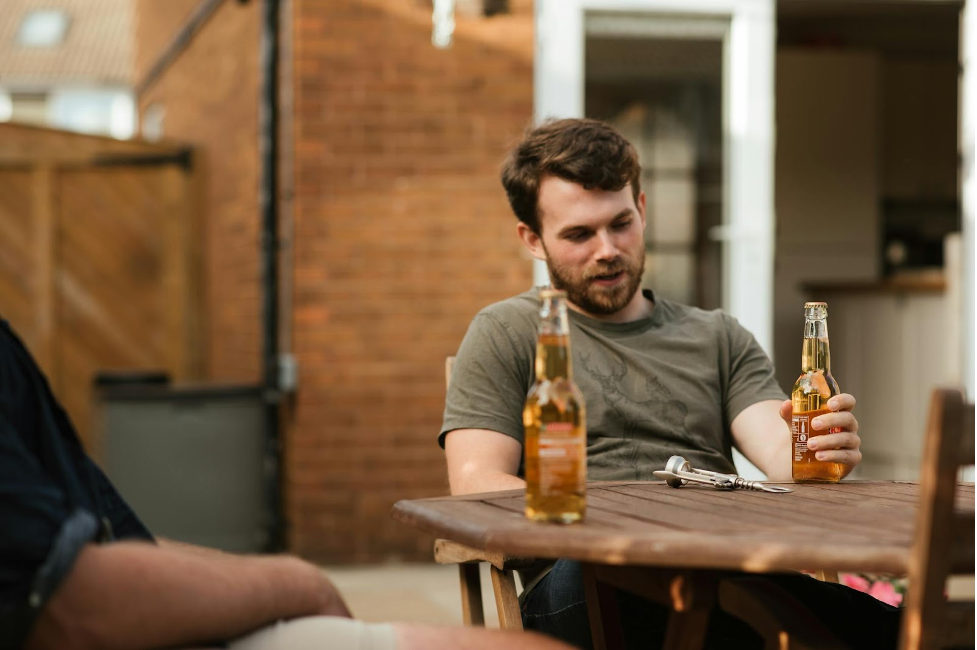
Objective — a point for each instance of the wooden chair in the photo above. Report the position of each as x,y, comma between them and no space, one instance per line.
501,567
944,543
944,546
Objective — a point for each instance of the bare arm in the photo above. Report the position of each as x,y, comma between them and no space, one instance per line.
762,433
136,595
480,460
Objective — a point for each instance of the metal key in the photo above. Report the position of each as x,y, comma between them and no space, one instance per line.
679,471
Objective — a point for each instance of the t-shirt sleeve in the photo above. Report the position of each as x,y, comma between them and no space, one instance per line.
125,523
491,377
750,374
41,535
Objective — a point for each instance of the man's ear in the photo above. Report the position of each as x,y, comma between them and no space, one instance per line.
642,201
531,241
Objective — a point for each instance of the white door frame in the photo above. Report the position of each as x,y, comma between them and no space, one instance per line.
968,185
748,127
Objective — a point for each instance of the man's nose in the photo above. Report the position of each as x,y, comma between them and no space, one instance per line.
606,247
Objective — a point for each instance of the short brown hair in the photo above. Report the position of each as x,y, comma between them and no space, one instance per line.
588,152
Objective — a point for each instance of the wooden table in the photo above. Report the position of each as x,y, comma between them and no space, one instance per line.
687,537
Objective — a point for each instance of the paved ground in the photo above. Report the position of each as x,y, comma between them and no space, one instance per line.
421,593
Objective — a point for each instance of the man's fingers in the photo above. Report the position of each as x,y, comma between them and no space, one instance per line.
849,457
841,402
842,420
843,440
785,411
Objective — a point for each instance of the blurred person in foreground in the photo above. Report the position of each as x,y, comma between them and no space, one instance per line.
659,378
78,569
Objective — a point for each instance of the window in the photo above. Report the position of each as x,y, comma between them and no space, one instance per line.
43,28
29,108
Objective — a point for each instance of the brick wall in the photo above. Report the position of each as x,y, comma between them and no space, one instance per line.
402,233
210,97
399,232
156,23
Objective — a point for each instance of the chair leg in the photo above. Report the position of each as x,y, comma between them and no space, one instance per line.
510,617
825,575
472,612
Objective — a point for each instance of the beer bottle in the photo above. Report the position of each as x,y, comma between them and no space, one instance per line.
555,422
809,398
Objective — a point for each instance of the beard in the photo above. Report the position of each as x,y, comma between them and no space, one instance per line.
583,292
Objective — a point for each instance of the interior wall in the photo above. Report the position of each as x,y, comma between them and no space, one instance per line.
866,145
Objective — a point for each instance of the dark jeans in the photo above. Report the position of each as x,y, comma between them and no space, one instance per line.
557,607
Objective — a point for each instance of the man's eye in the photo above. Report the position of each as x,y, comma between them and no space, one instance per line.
624,224
576,236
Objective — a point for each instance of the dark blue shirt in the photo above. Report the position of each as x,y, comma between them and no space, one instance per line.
53,498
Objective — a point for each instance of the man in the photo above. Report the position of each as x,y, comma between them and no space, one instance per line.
78,569
659,378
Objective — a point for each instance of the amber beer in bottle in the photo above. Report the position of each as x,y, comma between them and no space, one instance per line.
555,422
809,398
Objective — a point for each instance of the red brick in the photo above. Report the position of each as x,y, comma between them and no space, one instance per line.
401,234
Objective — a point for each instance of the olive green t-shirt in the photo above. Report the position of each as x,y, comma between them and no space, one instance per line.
668,384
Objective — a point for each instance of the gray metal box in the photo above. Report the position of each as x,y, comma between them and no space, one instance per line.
190,461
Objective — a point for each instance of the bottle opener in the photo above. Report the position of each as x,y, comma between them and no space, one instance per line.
678,472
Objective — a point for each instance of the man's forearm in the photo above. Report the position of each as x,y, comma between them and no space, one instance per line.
475,482
133,595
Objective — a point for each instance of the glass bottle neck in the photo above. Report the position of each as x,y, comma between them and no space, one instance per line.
815,354
553,344
553,357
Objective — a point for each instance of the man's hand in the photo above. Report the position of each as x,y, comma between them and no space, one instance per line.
841,443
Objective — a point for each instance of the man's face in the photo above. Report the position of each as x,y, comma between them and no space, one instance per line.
593,244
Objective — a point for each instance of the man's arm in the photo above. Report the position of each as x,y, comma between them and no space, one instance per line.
762,432
136,595
480,460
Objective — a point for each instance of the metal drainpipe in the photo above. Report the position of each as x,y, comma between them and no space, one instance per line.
268,199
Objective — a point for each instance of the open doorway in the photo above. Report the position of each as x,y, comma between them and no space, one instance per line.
867,204
663,88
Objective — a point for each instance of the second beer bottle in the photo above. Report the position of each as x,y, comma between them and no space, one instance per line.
555,423
809,398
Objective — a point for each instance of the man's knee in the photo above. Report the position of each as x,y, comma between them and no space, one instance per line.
561,588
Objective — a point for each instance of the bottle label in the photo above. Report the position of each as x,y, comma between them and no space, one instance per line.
561,456
800,429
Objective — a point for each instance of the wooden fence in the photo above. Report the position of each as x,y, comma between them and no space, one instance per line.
98,259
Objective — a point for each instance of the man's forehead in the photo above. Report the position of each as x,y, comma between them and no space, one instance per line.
561,201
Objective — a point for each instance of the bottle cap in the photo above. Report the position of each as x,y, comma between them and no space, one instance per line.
815,310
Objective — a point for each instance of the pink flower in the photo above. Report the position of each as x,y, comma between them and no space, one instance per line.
880,589
885,592
857,583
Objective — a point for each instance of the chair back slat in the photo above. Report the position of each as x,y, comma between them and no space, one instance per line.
957,626
942,546
449,366
967,439
962,550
